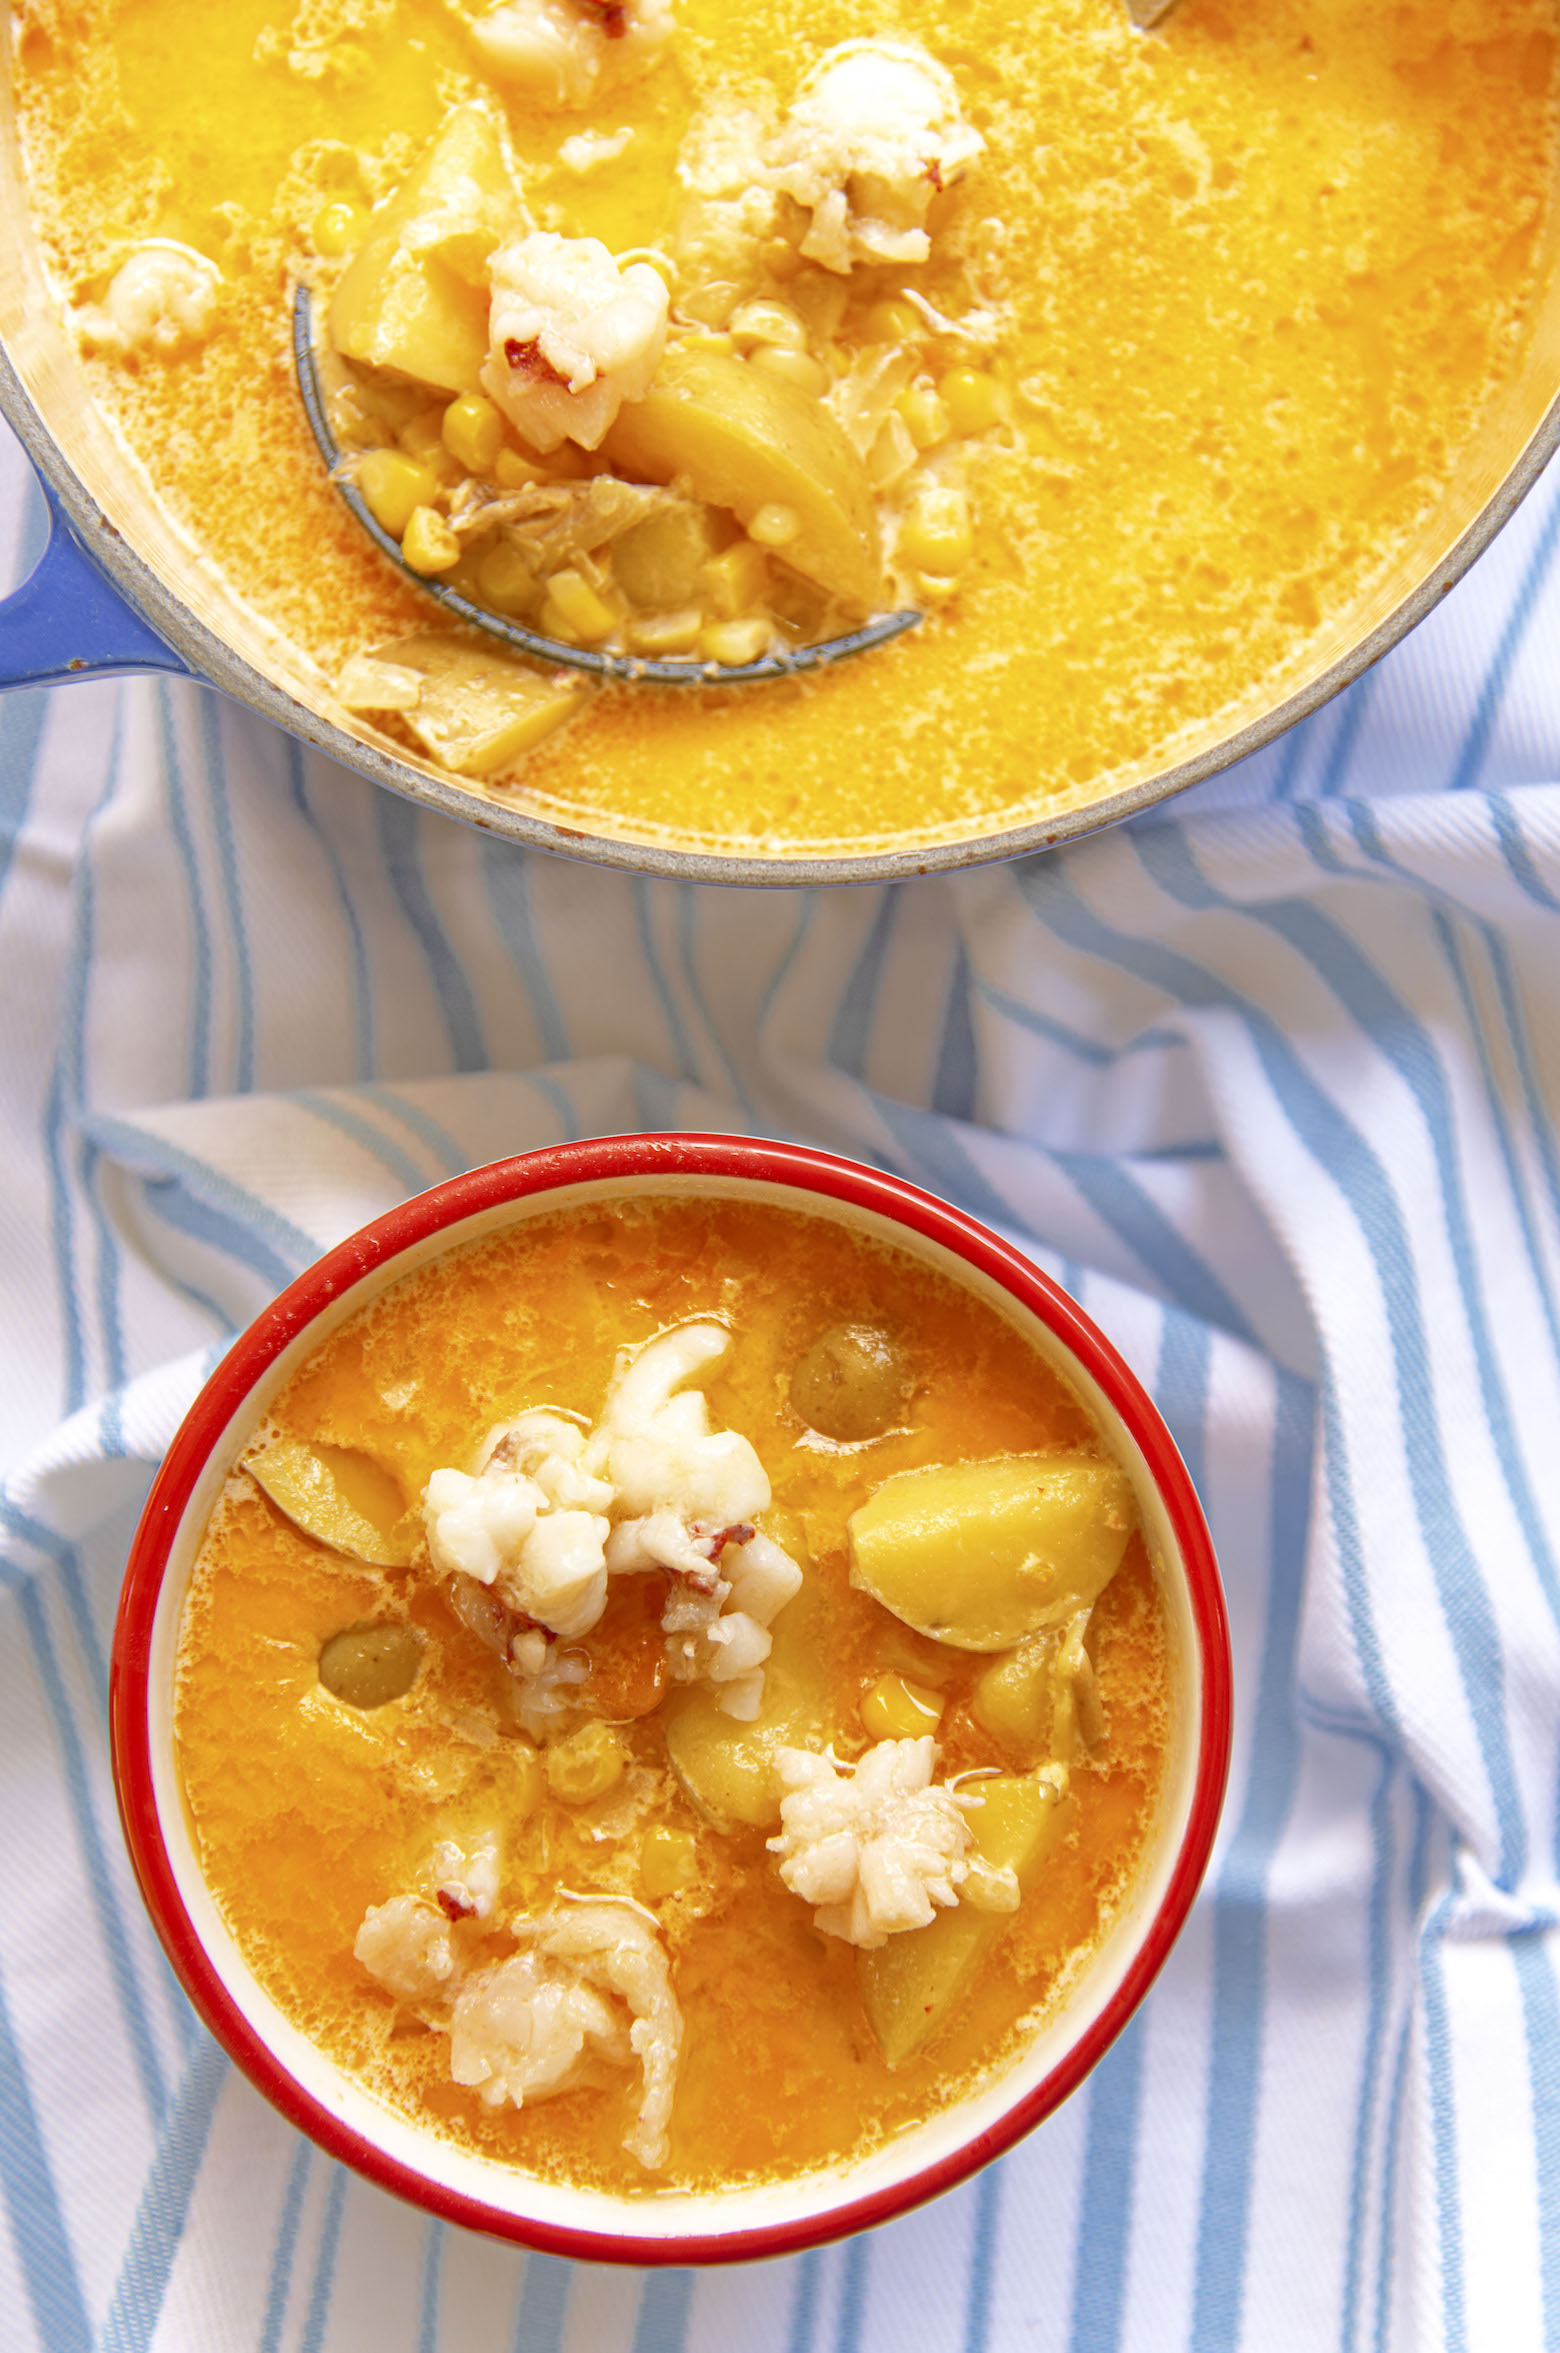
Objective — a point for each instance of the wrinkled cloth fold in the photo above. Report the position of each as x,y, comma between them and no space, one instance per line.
1270,1080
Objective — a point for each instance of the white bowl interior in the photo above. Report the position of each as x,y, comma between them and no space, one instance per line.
668,2215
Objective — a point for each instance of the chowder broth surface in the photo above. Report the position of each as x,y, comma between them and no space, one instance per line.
306,1811
1262,273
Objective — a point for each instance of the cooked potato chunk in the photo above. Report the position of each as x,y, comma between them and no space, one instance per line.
473,710
910,1984
414,297
340,1498
745,440
981,1554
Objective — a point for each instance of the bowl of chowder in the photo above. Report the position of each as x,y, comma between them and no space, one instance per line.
1167,374
670,1699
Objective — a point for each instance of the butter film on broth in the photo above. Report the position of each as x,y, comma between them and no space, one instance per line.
647,1759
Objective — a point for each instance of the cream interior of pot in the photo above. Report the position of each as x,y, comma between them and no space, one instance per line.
152,558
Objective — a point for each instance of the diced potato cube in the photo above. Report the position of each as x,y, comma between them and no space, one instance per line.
1014,1697
668,1860
744,440
981,1554
393,486
736,580
478,711
659,563
507,579
586,1764
414,297
911,1984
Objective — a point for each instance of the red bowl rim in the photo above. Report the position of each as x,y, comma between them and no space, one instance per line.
720,1158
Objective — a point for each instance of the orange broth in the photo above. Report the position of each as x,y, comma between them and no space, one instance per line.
306,1811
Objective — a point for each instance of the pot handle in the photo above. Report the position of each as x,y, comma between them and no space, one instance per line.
67,621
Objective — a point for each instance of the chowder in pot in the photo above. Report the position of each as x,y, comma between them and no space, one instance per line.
1153,369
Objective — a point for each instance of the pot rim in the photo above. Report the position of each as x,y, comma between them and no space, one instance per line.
629,1159
215,661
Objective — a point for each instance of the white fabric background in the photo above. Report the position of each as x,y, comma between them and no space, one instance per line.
1270,1079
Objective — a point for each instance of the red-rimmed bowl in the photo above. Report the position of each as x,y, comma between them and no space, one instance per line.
661,2227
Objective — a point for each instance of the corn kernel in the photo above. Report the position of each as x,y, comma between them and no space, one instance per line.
770,325
736,580
668,1860
665,637
970,398
793,367
775,525
393,485
506,579
336,229
428,543
710,339
893,321
473,432
586,617
735,643
935,535
512,472
897,1709
925,416
587,1764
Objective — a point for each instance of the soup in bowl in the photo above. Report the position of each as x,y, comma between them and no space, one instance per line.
671,1697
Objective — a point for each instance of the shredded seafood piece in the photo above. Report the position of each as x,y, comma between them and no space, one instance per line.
555,50
531,1537
405,1945
658,1449
523,2031
875,133
875,1848
161,300
467,1877
612,1946
572,337
502,1529
530,2026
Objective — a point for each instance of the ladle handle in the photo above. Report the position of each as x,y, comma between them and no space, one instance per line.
67,621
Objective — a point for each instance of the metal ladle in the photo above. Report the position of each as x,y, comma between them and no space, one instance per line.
792,663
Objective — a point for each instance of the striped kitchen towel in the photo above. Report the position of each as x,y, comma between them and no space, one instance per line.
1270,1079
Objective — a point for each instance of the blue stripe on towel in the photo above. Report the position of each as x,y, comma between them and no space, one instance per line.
544,2304
285,2247
664,2305
400,836
1475,746
155,2236
1103,2246
33,2205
